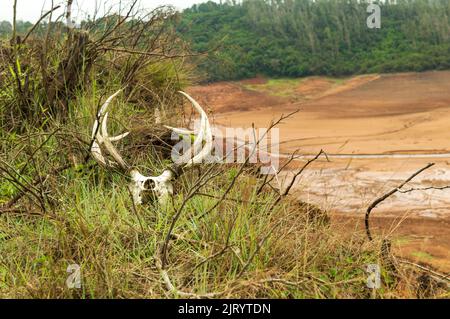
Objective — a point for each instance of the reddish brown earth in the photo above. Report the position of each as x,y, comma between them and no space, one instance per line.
373,114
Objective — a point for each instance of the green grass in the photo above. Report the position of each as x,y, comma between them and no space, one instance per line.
283,87
243,248
287,87
403,240
421,255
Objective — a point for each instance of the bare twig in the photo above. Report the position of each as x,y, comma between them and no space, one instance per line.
258,247
442,277
34,183
269,180
135,210
237,200
221,251
423,189
69,14
172,289
38,22
241,169
288,188
201,182
14,30
389,194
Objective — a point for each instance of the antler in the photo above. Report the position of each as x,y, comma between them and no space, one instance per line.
160,185
204,134
100,137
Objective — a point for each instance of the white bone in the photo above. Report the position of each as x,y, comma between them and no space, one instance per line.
163,187
97,153
102,137
203,134
180,131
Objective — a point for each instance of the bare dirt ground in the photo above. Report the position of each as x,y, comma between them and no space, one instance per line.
378,130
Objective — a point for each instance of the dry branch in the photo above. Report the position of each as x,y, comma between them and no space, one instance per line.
288,188
38,22
379,200
423,189
439,276
175,291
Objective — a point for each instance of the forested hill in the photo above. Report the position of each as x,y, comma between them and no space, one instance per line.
292,38
325,37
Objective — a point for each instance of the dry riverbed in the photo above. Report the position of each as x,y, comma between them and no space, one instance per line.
378,130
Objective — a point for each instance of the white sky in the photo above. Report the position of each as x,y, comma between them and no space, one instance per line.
30,10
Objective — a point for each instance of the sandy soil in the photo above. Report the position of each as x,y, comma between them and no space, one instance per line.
396,114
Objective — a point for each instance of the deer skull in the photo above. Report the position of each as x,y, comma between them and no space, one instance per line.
161,186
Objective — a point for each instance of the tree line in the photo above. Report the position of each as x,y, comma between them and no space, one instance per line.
294,38
324,37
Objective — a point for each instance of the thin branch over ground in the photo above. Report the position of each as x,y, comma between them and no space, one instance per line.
379,200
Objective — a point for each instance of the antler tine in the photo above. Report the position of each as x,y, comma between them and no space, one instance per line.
97,154
180,131
101,136
109,146
105,105
203,134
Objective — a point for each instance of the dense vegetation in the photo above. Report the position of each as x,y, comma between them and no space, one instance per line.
327,37
303,37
